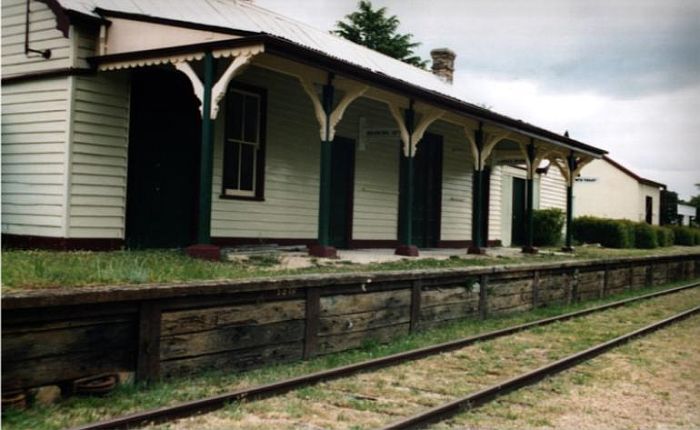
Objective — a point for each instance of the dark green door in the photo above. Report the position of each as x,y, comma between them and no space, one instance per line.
427,192
164,143
518,219
342,180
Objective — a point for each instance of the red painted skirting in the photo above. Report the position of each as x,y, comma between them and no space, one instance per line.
60,243
98,244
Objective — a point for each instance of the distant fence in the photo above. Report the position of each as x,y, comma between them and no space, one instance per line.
54,337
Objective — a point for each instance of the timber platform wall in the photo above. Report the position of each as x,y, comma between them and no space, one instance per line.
52,337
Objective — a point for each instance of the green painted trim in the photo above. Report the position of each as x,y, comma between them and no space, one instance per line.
477,190
206,162
406,185
571,161
324,200
530,205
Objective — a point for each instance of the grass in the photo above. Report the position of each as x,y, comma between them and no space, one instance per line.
438,378
132,397
650,382
55,269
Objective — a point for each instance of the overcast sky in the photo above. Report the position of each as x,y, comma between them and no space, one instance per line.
618,74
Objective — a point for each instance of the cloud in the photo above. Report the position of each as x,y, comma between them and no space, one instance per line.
622,75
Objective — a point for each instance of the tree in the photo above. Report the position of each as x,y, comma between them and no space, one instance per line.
373,29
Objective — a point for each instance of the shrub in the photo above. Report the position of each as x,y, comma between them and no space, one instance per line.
547,225
609,233
684,235
645,236
664,236
696,233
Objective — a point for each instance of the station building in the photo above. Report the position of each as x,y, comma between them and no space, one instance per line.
206,123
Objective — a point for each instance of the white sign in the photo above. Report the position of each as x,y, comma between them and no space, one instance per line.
374,134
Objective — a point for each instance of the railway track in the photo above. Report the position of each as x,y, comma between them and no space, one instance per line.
445,405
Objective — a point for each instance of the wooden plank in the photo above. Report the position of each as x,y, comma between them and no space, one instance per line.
30,326
190,321
450,311
56,369
572,285
229,361
606,281
446,295
312,323
483,296
353,303
415,304
339,324
148,355
229,338
342,342
25,346
535,289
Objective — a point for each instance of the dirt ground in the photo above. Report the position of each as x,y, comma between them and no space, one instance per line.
651,383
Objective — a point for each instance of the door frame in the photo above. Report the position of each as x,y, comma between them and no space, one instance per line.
350,198
438,175
134,152
512,213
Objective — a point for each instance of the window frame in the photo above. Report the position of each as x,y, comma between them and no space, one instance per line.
259,167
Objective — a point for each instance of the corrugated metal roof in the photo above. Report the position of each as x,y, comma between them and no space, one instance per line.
249,17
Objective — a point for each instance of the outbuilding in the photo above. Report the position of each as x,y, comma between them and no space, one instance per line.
610,190
205,123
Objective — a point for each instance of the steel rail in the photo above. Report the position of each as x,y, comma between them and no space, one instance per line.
485,395
208,404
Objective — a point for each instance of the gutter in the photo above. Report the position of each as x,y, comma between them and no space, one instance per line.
284,48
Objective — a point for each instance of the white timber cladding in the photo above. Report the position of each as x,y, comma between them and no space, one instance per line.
552,190
99,156
34,150
505,222
655,194
603,190
292,147
42,35
456,182
495,204
549,191
376,194
125,35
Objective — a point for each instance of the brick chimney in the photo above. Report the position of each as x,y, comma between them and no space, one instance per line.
443,63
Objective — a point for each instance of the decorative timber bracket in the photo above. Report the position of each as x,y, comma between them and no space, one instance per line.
328,122
532,157
482,144
241,59
410,139
570,166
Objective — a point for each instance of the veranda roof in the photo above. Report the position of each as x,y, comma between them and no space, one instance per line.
248,19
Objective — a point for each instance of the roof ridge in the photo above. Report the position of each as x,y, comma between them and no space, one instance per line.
340,39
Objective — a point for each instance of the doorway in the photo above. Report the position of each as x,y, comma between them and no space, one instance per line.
164,140
342,189
427,191
649,203
518,216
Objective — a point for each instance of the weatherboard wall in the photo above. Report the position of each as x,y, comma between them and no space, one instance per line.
43,34
35,118
99,147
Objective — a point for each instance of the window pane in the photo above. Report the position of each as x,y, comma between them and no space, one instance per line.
251,119
231,160
247,167
234,115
